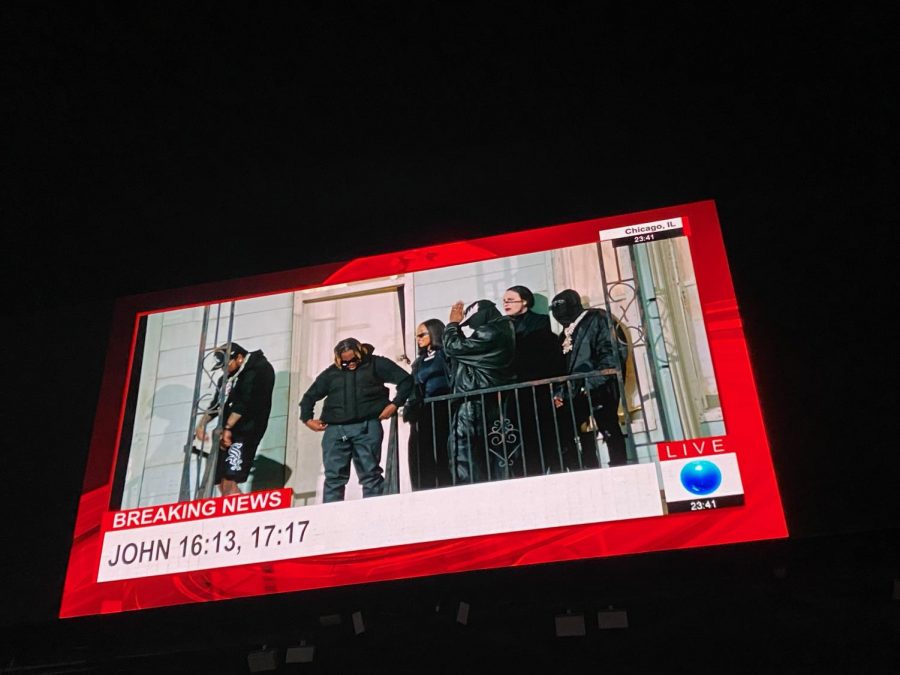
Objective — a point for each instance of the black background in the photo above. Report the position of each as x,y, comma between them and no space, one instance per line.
157,146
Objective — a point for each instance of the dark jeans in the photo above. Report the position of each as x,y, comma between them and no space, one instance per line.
359,442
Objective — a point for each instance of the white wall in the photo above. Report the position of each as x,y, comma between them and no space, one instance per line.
437,290
166,389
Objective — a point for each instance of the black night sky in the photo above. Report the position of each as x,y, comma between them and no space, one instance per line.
149,147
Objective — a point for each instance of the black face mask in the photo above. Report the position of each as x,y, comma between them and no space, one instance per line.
566,306
479,313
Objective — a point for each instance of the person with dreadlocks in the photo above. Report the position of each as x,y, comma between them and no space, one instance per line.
480,344
356,401
588,345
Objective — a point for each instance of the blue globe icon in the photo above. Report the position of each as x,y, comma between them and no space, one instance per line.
701,477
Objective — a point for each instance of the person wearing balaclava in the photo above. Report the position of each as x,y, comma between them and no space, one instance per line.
480,345
587,346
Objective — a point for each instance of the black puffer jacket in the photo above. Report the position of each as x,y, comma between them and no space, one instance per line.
485,358
356,395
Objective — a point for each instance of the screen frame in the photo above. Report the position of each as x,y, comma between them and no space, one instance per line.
761,516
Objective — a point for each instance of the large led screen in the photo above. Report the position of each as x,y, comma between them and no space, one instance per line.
569,392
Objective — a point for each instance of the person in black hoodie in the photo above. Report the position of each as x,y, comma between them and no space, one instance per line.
249,379
356,401
479,424
587,345
538,356
429,424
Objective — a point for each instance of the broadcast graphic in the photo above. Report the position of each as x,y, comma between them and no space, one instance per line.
575,391
700,474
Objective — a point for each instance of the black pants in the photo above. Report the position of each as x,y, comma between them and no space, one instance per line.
428,460
579,445
535,412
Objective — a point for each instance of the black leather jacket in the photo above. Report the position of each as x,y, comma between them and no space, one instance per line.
484,359
593,349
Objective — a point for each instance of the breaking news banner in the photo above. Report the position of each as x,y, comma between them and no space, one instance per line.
212,507
182,537
700,474
644,233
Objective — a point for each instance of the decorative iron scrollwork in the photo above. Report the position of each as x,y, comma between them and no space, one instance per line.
504,436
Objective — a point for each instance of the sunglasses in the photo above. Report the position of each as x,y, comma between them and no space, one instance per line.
347,364
421,335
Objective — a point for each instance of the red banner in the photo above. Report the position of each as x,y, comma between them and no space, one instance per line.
213,507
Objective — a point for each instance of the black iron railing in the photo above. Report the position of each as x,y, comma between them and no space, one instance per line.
524,429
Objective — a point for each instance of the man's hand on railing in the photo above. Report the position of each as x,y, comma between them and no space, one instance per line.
200,433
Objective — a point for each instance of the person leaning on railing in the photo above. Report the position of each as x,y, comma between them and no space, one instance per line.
587,345
429,423
538,356
478,361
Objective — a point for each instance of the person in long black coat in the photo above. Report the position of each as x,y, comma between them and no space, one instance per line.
538,356
479,445
588,346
